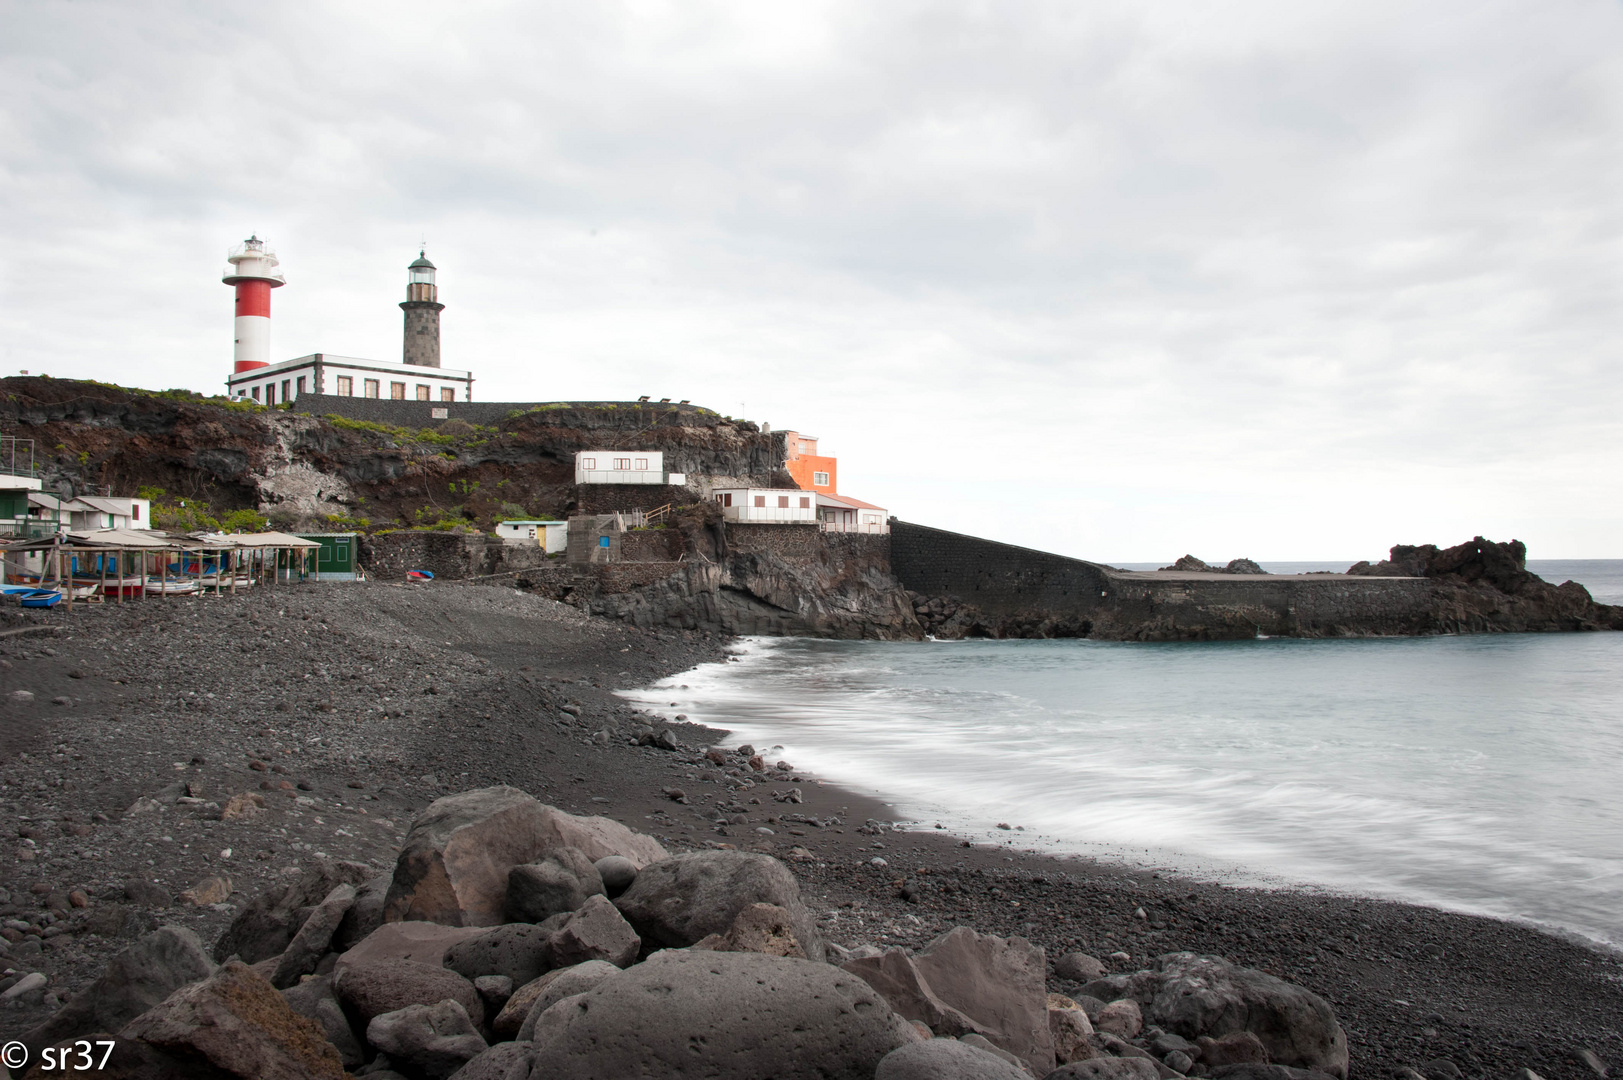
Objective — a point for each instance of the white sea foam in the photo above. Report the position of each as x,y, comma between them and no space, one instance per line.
1478,773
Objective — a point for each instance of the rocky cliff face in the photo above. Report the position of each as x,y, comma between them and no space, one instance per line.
301,467
702,574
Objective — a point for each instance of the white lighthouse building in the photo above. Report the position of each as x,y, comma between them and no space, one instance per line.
253,272
418,376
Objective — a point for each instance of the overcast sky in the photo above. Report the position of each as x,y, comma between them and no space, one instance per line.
1122,281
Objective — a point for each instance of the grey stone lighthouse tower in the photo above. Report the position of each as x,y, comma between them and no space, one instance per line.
422,308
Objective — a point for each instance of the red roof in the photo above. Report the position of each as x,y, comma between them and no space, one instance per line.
846,500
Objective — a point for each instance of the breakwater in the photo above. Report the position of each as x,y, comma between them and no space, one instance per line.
965,586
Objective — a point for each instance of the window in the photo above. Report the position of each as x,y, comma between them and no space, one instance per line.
346,386
287,389
588,463
819,479
725,499
805,504
301,384
255,392
370,387
270,393
760,500
447,394
622,464
642,464
397,391
135,511
422,392
783,502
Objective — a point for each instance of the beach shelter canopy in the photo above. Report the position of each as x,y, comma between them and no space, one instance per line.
268,539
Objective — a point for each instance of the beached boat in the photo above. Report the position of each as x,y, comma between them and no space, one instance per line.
41,598
172,587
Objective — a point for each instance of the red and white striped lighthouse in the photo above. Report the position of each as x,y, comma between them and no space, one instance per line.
253,271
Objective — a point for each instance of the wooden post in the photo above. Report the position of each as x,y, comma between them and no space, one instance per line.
102,558
233,554
67,566
163,575
121,572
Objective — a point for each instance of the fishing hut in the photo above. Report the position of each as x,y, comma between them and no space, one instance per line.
133,564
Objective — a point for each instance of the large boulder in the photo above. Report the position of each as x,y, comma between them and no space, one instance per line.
314,938
432,1041
596,932
264,928
967,983
365,915
552,987
454,866
1108,1068
762,928
899,981
683,900
371,988
237,1022
136,979
558,883
521,951
945,1059
314,999
504,1061
563,983
424,942
725,1016
599,838
1197,995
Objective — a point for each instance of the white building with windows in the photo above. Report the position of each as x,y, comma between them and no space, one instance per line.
624,467
89,512
767,505
349,376
841,513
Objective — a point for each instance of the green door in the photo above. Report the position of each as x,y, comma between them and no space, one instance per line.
337,555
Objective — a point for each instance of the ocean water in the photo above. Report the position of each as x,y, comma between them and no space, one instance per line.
1480,773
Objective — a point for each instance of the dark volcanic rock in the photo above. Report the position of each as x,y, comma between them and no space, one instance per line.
138,978
685,899
729,1016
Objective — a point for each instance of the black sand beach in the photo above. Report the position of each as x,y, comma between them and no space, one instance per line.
349,708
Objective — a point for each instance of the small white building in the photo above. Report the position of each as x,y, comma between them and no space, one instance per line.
624,467
841,513
101,512
550,536
777,506
349,376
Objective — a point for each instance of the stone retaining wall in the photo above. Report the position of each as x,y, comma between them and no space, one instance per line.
786,541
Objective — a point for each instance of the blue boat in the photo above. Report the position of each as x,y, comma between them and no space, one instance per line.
41,598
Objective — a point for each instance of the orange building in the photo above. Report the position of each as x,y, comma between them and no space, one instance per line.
810,470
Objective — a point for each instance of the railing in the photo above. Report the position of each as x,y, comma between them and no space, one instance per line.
880,528
31,528
17,456
656,514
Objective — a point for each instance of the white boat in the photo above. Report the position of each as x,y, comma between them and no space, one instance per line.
172,587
